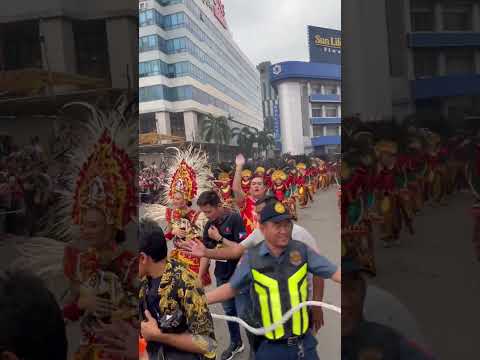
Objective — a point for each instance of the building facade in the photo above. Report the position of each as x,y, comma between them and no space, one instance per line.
269,95
307,115
189,67
424,58
91,39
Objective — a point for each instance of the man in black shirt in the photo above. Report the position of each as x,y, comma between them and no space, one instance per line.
223,226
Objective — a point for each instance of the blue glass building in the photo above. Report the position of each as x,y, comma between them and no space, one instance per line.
189,66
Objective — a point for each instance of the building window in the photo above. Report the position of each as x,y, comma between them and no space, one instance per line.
331,130
91,48
316,89
21,45
460,61
330,89
425,63
331,111
317,130
148,123
457,16
317,110
177,124
422,15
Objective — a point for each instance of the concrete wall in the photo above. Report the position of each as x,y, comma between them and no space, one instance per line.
365,73
289,94
27,9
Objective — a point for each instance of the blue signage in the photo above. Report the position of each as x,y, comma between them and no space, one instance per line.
325,45
276,123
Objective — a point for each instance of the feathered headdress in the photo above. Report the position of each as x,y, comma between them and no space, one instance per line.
103,174
189,174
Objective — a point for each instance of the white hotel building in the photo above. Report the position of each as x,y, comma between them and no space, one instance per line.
190,66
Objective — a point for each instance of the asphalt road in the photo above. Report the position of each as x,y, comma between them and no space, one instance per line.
322,220
435,275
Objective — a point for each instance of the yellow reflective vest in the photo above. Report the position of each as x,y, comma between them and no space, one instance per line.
278,286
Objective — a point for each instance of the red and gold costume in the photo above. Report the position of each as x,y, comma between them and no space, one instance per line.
282,192
188,176
249,215
105,181
223,184
246,179
303,189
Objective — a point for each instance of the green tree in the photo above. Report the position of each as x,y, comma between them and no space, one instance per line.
265,142
245,138
216,130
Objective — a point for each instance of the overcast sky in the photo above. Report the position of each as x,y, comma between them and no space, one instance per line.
276,30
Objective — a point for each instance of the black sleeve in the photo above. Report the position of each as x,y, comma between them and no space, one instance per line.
205,233
238,227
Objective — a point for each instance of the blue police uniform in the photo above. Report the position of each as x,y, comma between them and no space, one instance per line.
259,268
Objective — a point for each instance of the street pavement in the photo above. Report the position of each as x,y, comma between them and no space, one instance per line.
435,275
322,220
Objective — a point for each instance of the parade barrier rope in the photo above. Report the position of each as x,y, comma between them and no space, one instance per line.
285,318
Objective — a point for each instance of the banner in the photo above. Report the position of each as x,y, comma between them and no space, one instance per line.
276,124
325,45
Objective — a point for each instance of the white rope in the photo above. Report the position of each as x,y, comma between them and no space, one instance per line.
285,318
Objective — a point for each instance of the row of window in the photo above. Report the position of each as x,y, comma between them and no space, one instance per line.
326,130
457,62
194,9
455,15
185,68
182,20
325,89
172,46
324,110
182,93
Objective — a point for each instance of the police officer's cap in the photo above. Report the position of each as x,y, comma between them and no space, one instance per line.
275,212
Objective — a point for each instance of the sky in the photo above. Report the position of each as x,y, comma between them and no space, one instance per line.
276,30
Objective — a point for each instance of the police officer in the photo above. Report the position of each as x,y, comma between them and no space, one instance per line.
363,339
276,273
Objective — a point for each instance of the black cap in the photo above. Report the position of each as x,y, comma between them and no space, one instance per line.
154,244
275,212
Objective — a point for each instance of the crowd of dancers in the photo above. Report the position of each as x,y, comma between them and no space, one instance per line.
390,173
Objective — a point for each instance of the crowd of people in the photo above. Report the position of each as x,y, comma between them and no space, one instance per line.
249,210
150,183
390,173
25,186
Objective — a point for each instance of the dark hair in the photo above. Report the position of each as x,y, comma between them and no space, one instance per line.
29,314
267,199
256,176
154,244
208,198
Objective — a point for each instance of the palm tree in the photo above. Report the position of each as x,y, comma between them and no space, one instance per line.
265,141
216,130
245,139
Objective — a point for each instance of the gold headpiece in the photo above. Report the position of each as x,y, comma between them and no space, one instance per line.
247,173
301,166
106,182
260,170
224,176
279,175
386,147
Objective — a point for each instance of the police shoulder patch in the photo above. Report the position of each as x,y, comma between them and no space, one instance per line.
295,257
